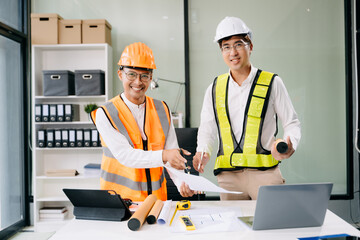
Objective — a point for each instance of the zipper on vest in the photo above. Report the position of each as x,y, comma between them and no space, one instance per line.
147,171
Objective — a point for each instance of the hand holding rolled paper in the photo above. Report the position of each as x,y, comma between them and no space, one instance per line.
282,150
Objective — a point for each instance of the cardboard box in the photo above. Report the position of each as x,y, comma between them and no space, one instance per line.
96,31
44,28
69,31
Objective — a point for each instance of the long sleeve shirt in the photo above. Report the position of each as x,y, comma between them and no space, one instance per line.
279,104
121,148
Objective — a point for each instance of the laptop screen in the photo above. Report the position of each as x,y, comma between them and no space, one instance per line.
291,205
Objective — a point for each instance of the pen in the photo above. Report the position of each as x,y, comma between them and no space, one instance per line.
202,155
186,166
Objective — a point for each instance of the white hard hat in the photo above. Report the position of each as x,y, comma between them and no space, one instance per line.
230,26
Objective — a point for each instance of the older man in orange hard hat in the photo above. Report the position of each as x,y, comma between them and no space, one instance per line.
137,133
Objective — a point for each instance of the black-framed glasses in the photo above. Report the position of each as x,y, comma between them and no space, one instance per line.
237,46
131,76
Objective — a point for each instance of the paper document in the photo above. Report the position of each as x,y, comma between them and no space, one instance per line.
210,220
197,183
165,213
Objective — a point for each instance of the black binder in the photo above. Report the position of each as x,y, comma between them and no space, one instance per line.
41,138
94,138
60,113
57,134
103,205
38,112
53,111
72,138
45,113
64,138
50,138
87,138
68,112
79,138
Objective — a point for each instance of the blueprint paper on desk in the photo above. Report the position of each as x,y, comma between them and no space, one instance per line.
210,220
197,183
164,215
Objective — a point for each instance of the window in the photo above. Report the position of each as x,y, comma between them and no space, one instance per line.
14,118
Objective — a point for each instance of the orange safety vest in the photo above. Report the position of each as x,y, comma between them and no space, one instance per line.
135,183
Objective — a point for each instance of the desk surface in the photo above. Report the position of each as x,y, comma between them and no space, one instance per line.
86,229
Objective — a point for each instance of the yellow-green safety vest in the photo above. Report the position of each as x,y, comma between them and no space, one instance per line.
249,152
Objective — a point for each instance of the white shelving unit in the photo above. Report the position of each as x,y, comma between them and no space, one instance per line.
47,191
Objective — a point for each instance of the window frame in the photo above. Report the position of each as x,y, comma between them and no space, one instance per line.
22,37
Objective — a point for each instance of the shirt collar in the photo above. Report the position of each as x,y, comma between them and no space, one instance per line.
249,79
130,104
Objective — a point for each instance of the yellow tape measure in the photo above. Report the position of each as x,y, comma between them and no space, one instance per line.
181,205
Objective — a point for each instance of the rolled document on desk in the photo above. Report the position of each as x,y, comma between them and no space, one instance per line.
155,211
138,218
165,213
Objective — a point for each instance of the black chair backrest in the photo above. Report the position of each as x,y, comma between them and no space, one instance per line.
187,139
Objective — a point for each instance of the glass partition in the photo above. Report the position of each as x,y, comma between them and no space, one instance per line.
12,134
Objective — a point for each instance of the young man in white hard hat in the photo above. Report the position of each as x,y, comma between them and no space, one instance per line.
241,107
137,133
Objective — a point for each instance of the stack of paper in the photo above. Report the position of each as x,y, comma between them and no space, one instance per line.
61,173
92,170
53,213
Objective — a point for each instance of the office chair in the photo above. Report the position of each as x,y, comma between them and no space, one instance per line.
187,140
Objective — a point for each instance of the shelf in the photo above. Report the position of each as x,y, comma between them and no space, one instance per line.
65,123
65,47
53,199
78,177
69,149
71,98
48,191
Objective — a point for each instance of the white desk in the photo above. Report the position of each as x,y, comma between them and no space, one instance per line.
85,229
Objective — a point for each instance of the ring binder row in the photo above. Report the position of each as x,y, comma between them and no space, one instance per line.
50,138
56,112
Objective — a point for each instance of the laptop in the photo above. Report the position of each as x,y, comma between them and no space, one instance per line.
290,206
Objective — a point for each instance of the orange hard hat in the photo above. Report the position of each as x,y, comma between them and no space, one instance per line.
137,55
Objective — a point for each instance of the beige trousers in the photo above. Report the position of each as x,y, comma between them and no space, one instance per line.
248,181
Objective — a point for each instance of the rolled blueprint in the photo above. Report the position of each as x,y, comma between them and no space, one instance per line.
155,211
165,213
138,218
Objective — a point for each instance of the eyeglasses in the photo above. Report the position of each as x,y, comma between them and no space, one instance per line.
131,76
237,46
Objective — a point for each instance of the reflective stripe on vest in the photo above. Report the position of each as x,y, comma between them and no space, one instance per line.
249,151
132,182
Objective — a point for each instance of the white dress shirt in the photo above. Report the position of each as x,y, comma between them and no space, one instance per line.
121,148
279,103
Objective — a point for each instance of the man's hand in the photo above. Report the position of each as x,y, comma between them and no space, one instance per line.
185,191
173,156
203,162
280,156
